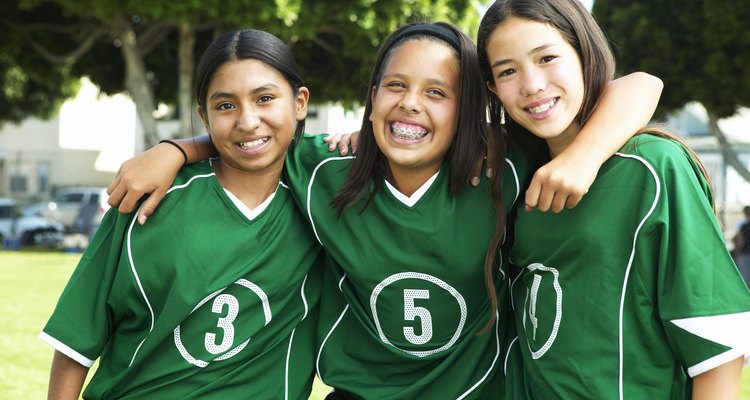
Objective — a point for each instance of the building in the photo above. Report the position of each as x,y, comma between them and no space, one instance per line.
91,137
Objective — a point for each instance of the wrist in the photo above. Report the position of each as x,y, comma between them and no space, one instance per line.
174,145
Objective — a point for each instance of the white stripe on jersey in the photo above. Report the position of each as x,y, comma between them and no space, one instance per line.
132,264
309,191
728,330
632,256
63,348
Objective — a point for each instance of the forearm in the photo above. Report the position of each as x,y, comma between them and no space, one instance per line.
628,104
66,378
198,148
722,382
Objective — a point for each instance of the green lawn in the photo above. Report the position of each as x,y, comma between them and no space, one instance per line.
30,285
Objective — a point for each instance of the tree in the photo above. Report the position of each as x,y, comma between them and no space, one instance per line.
699,48
148,48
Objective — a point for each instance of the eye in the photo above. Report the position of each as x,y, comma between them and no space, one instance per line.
265,98
224,106
436,92
506,72
394,85
547,59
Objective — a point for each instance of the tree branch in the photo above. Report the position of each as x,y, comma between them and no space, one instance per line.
74,54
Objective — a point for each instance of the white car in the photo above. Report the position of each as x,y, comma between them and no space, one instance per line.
22,229
78,209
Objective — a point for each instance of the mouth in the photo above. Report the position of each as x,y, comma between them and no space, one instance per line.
406,131
253,144
542,108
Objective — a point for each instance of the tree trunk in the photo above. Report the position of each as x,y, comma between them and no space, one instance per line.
136,81
726,149
185,78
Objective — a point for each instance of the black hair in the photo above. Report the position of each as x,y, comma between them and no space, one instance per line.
247,44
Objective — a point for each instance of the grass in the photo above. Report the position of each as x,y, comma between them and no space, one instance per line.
31,284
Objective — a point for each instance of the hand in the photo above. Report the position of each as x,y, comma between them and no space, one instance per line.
561,183
342,141
150,172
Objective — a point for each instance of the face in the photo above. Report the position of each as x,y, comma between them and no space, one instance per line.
538,79
251,114
414,108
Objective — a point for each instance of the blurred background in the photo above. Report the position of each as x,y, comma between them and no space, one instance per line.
86,84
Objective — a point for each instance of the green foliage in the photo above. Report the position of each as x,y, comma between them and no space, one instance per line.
699,48
334,41
29,87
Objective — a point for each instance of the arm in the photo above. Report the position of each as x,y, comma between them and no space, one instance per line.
631,101
66,378
722,382
153,172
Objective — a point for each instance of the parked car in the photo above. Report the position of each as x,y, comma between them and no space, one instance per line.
18,228
78,209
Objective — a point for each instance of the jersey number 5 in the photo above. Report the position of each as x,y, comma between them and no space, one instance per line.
411,312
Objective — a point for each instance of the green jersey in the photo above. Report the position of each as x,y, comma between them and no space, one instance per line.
207,300
405,294
632,292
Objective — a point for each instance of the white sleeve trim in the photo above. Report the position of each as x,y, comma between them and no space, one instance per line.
729,330
63,348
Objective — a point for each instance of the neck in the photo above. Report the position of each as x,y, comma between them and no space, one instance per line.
250,187
408,181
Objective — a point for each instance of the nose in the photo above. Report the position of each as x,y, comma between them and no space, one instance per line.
249,120
410,103
533,82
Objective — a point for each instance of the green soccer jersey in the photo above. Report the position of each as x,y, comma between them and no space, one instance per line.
207,300
632,292
404,297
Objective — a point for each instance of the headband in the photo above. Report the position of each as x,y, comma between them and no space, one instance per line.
435,30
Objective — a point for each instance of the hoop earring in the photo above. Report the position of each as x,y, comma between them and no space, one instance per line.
502,115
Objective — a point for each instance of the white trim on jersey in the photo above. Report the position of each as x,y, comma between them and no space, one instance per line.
286,364
309,191
657,195
515,178
507,355
728,330
323,344
410,201
63,348
250,213
494,360
132,264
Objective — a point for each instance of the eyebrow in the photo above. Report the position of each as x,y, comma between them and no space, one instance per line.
532,51
433,81
263,88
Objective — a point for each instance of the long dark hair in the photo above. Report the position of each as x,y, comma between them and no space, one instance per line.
247,44
471,143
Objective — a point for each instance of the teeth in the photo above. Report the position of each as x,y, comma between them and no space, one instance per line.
542,107
409,132
254,143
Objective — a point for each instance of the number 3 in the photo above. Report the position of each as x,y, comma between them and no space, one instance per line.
411,312
225,323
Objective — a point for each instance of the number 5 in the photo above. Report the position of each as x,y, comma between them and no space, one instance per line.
411,312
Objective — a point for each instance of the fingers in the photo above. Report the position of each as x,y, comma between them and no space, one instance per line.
475,173
340,140
150,205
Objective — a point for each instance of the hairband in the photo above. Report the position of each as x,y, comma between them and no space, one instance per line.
435,30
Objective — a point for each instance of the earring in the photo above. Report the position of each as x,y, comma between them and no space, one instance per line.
502,115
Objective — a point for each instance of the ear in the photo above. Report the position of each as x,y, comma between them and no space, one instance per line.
300,103
491,86
204,117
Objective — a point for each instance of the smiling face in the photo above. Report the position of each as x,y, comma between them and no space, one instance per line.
251,114
538,78
414,109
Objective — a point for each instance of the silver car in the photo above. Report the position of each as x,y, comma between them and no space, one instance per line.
19,228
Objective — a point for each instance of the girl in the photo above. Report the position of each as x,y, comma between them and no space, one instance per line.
411,251
632,294
186,308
